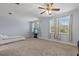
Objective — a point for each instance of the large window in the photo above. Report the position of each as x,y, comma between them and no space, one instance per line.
64,24
52,25
60,25
35,27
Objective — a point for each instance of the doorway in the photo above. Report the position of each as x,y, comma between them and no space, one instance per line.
60,28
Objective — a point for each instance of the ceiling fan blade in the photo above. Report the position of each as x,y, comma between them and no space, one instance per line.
57,9
41,8
42,12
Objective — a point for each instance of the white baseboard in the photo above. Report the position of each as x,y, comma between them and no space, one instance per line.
4,41
59,41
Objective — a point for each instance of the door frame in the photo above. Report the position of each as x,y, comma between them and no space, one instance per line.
70,27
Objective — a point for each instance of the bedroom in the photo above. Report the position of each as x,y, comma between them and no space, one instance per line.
18,22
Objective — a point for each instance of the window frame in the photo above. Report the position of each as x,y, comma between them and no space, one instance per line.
55,24
35,26
51,26
68,26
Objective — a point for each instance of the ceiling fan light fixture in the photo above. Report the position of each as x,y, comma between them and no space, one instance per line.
48,12
49,8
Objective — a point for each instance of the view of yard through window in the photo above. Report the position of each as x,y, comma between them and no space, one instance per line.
52,25
35,27
63,24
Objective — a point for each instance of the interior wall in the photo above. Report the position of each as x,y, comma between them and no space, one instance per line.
44,28
13,26
76,26
31,35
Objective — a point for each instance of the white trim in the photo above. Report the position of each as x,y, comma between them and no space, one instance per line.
63,33
11,40
55,40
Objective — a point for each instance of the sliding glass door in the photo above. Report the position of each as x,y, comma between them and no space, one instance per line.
64,28
52,28
59,28
64,25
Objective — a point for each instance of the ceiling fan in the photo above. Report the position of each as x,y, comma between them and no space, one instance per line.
49,8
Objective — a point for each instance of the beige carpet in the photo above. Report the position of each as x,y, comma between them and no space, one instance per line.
37,47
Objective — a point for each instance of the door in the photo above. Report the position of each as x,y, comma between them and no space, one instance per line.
64,28
59,28
54,28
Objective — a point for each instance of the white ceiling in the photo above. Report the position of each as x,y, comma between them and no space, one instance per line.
31,9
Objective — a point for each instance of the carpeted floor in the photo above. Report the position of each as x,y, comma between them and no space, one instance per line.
37,47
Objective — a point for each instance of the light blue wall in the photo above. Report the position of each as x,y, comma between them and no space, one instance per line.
44,27
76,26
12,26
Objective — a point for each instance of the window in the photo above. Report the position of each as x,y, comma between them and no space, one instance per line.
64,24
60,25
35,27
52,25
